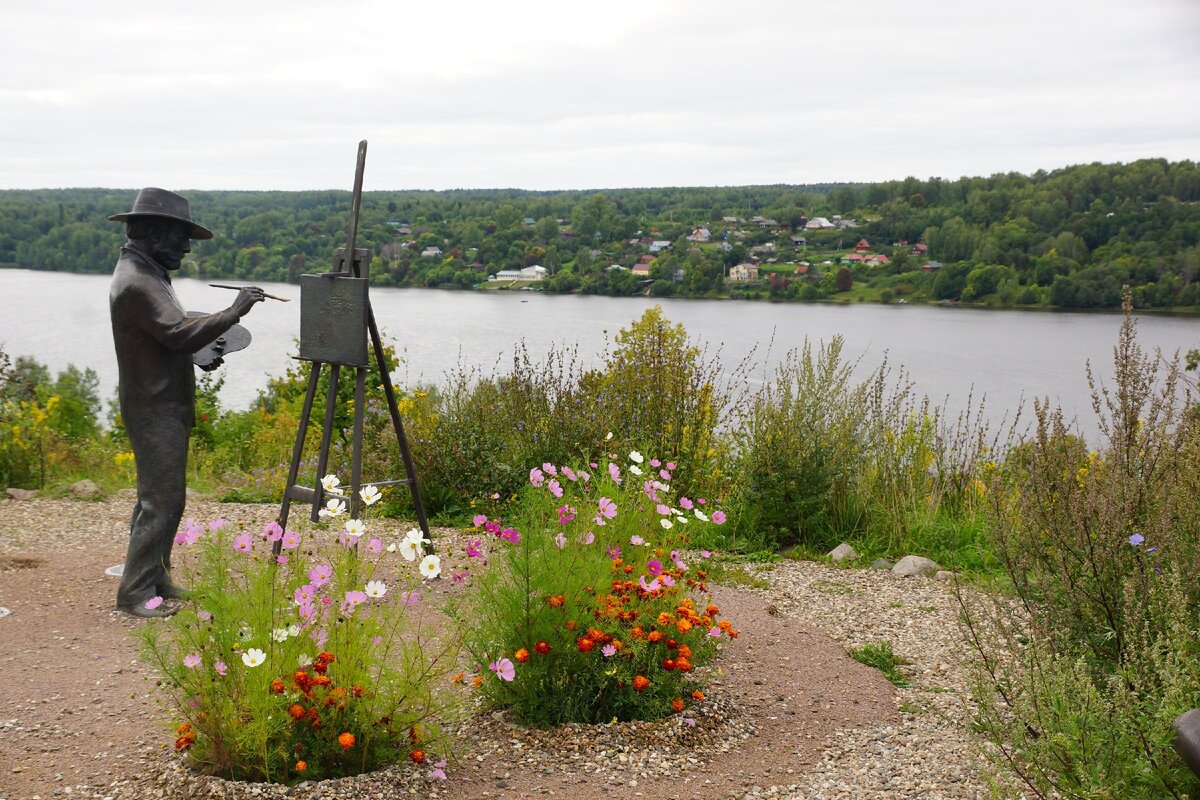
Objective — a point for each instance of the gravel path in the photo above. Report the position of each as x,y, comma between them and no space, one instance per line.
788,715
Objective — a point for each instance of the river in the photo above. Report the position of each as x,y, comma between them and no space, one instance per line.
950,353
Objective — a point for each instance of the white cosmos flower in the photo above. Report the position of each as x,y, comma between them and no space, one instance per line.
607,438
636,457
633,468
415,535
253,657
355,527
280,634
330,483
410,549
370,494
293,630
391,548
333,508
666,523
375,589
700,515
431,566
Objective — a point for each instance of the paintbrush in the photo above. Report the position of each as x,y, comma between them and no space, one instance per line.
239,288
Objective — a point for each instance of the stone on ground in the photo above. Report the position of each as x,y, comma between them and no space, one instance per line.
915,567
843,552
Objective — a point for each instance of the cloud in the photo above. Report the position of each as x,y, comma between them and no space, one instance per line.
551,95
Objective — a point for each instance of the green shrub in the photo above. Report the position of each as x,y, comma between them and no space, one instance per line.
880,656
1080,676
586,613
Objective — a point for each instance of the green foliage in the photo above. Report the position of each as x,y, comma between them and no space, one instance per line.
585,613
309,669
880,656
1080,678
1095,226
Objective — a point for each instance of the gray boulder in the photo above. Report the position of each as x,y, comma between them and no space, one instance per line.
21,494
843,552
85,490
881,563
915,567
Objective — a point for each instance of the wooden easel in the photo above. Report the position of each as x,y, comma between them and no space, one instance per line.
336,339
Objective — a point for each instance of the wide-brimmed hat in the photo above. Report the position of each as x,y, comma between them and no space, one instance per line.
152,202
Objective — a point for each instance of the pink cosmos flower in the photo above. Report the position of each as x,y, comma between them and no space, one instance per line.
565,514
636,541
654,462
671,466
479,520
307,611
685,504
355,598
291,540
217,524
666,580
473,549
555,488
718,517
691,723
272,532
549,469
654,567
612,551
154,602
652,586
705,553
701,500
662,510
410,598
242,543
504,669
608,650
220,668
714,632
319,636
569,474
375,546
305,594
460,578
614,472
281,559
510,535
607,508
492,526
666,476
675,558
439,771
191,660
588,537
320,574
560,541
536,477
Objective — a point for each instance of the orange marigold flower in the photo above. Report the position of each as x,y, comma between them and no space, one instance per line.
296,711
572,624
182,743
326,656
677,704
697,695
302,680
521,655
654,637
641,682
672,644
184,728
346,740
683,665
733,634
597,635
477,681
628,569
417,756
459,678
301,766
712,610
322,680
585,644
664,619
725,625
556,600
683,625
320,666
685,651
277,686
414,734
357,690
637,632
668,664
541,648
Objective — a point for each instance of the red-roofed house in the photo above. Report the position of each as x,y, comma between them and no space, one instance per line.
862,246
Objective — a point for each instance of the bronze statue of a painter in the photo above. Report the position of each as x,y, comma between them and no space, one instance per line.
155,339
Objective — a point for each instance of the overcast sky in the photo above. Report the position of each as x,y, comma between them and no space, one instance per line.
262,94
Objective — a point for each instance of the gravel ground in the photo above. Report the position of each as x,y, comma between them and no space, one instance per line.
789,715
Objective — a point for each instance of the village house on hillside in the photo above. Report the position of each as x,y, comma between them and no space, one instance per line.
700,235
744,272
819,223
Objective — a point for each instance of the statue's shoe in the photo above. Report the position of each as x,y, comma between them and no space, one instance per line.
165,609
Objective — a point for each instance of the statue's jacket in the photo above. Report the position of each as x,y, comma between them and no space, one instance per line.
155,339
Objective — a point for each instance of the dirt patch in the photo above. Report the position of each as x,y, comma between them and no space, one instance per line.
82,712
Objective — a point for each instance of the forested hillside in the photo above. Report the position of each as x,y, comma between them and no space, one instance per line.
1069,238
